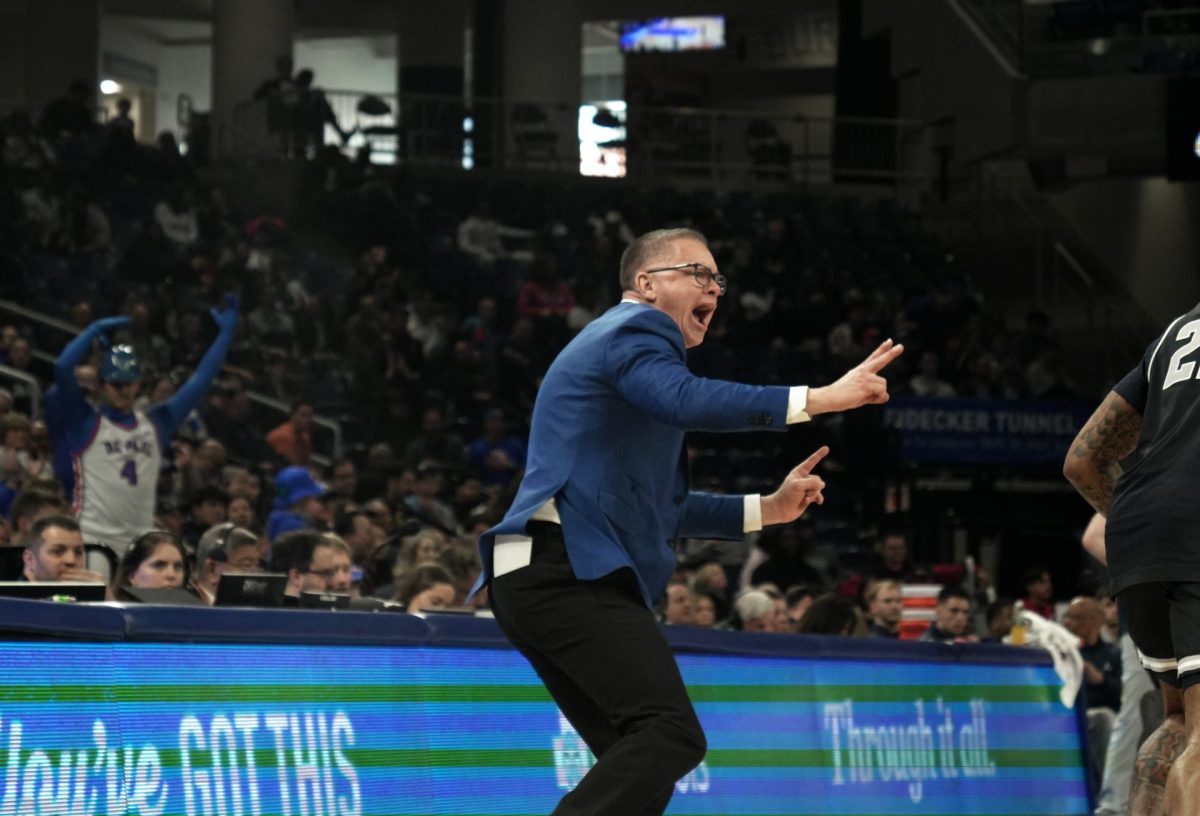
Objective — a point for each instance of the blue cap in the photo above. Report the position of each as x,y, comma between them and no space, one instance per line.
120,365
293,484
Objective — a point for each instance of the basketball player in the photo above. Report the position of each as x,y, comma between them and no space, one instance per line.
117,451
1150,424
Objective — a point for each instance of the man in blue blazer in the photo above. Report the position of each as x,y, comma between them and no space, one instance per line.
585,551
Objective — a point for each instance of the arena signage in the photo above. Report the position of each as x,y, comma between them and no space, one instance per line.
967,431
161,729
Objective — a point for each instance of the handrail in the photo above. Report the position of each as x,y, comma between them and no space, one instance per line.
1061,250
264,400
35,387
332,425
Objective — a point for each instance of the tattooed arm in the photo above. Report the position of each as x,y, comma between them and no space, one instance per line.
1109,435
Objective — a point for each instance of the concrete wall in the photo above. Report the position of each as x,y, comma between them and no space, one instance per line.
182,69
1144,231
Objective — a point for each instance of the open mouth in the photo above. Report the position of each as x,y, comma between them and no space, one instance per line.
702,316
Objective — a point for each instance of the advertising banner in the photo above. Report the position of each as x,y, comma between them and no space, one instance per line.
333,730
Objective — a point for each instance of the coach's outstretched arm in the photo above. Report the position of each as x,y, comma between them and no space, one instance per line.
1109,435
861,385
799,489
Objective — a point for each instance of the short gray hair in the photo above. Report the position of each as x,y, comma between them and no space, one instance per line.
647,247
753,603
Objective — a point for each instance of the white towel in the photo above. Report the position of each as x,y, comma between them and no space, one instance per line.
1064,650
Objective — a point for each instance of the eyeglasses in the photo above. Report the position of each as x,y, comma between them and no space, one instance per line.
703,275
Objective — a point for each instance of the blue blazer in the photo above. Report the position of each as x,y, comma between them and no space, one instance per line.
607,444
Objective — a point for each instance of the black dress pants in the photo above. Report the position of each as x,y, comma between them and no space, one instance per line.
607,665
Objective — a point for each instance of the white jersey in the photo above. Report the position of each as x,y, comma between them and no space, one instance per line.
116,482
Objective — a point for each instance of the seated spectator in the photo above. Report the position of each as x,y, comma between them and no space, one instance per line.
951,617
704,610
753,611
31,506
831,614
496,456
296,503
54,552
436,443
999,620
360,534
223,548
154,561
292,440
425,503
798,599
712,580
344,481
677,605
927,382
460,558
885,608
1039,591
1101,673
892,560
240,510
313,561
427,586
206,508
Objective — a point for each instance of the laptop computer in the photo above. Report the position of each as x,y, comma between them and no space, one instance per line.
164,596
251,589
52,590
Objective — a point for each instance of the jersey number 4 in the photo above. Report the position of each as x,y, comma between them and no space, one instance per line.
129,472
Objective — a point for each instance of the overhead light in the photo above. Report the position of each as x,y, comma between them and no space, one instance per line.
109,86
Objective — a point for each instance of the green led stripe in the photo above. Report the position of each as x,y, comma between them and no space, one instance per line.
821,758
390,693
797,693
269,693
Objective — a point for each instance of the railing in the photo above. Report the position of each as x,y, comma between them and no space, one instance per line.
1069,37
667,144
35,387
8,307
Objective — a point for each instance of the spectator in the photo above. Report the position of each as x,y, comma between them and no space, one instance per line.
497,456
360,534
999,620
427,586
54,552
798,600
425,503
155,560
313,561
885,608
344,482
927,382
240,510
712,580
206,509
435,442
704,610
296,504
677,605
831,614
119,450
1102,676
31,506
292,440
754,611
892,560
460,558
223,548
1039,591
951,616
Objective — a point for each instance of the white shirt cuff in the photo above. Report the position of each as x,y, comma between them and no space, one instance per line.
751,513
797,403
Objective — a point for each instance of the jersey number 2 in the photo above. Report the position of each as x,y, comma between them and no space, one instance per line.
129,472
1178,370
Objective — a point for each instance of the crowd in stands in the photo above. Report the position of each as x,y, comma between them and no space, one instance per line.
421,314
